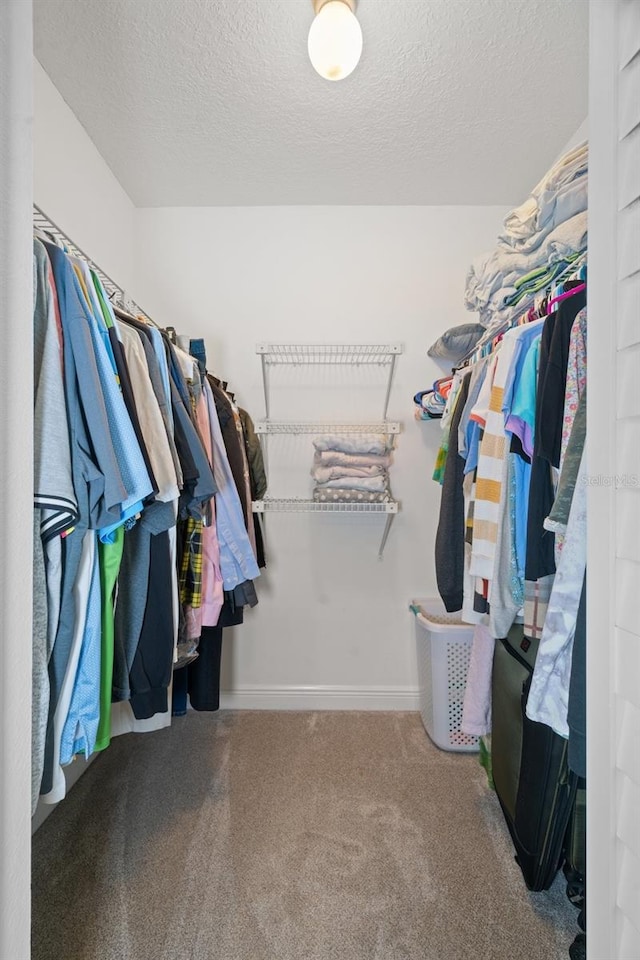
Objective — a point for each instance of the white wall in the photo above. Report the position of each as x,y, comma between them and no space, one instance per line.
581,134
75,187
330,613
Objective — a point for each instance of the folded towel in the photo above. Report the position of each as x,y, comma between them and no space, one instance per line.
361,444
341,495
565,204
333,458
476,710
525,220
324,474
489,275
372,484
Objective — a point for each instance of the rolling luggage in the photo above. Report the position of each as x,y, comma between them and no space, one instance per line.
575,869
535,787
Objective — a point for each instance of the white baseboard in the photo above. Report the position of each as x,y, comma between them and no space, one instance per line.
320,698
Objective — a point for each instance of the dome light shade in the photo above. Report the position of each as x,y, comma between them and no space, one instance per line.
335,40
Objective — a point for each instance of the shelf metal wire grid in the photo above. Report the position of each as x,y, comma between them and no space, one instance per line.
327,426
301,505
329,353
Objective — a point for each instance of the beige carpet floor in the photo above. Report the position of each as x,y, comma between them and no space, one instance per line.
287,836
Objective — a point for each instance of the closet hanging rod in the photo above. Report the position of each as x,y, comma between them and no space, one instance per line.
42,221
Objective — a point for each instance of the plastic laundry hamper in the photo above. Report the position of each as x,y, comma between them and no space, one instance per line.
443,646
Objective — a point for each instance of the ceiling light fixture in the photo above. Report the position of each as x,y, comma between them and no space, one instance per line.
335,39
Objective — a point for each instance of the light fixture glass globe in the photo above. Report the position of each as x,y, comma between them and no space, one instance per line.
335,41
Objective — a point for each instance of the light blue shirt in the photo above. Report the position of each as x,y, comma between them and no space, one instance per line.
237,562
133,469
158,346
81,726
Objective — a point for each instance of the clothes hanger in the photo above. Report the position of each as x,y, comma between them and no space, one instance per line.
42,235
565,296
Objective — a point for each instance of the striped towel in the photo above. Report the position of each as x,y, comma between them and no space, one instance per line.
492,464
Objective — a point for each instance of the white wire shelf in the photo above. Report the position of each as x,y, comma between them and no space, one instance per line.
327,426
300,505
330,353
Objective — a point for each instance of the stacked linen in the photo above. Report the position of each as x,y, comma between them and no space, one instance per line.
352,469
560,195
494,278
540,237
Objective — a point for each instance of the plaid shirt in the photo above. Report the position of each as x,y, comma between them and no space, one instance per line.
191,564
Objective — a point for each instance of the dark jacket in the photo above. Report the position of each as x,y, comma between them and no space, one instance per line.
450,535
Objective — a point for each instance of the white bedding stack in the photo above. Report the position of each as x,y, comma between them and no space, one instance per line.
352,469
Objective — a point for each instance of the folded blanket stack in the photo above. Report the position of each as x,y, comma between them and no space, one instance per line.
352,469
540,239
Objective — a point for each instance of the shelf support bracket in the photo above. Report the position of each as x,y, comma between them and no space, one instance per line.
265,385
392,368
387,528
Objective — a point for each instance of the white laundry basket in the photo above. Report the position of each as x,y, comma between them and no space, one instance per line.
443,646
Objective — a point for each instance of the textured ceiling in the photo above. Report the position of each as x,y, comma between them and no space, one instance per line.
214,102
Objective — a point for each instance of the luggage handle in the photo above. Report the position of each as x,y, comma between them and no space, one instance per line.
516,656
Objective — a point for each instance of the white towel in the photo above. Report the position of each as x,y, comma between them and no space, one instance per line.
476,710
549,693
565,204
491,273
372,484
524,221
358,461
364,444
324,474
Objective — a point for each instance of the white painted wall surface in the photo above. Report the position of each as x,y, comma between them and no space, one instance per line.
332,627
16,476
581,134
75,187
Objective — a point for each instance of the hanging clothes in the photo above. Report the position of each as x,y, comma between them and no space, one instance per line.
126,443
521,436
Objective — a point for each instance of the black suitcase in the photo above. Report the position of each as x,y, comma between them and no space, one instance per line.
535,787
575,869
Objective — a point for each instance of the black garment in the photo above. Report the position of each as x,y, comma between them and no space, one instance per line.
130,403
244,595
190,475
540,560
201,679
232,444
153,662
517,448
577,712
257,477
451,531
232,613
203,675
552,388
261,557
255,458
